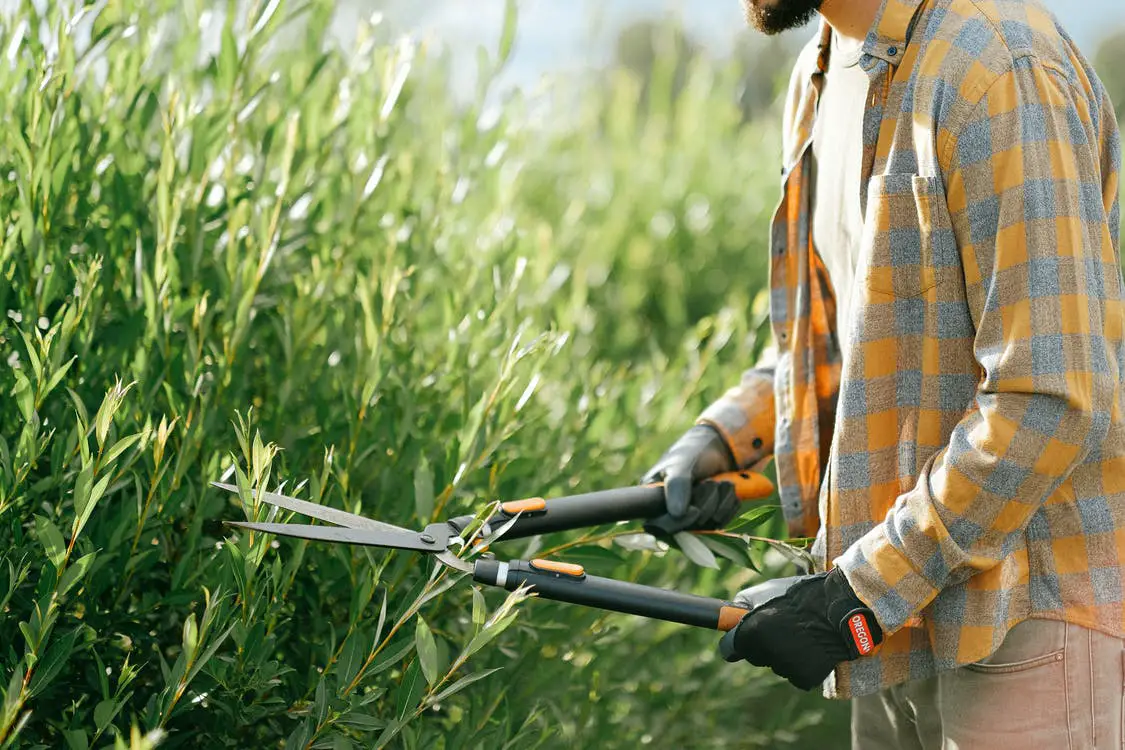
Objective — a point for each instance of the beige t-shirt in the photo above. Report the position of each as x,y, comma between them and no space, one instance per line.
837,163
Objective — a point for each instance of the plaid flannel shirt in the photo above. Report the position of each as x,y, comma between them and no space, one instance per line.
962,459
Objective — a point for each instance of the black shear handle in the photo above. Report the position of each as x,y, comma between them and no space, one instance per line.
567,582
539,516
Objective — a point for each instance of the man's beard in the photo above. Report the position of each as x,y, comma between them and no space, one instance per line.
776,16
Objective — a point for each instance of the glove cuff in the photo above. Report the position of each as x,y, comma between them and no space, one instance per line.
859,629
716,438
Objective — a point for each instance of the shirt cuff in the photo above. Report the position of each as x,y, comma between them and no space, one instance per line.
885,580
745,418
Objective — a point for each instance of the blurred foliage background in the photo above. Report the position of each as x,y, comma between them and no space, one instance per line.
233,249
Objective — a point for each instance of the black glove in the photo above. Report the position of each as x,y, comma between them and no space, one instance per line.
700,454
803,633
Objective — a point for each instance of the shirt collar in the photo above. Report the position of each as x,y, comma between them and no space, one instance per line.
893,27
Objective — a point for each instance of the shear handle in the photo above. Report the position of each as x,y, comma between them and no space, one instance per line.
565,582
539,516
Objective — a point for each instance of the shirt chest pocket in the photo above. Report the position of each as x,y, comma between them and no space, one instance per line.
906,216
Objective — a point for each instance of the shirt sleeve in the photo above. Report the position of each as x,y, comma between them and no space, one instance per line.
1030,215
744,416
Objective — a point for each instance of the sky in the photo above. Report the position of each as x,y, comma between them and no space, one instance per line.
561,35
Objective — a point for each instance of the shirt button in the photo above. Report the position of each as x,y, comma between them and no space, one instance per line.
892,51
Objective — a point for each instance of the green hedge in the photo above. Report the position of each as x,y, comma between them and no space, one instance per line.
313,268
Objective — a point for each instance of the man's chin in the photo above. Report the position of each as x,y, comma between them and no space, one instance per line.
776,16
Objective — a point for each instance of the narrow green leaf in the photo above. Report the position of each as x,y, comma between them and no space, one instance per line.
351,658
601,560
754,517
493,629
732,548
89,501
12,694
82,487
75,572
104,713
228,57
390,659
121,446
361,597
80,410
423,490
389,734
413,683
210,652
508,33
796,555
264,17
461,684
362,722
191,635
695,550
320,701
51,539
427,650
32,355
382,619
24,395
52,662
479,610
300,736
76,739
58,375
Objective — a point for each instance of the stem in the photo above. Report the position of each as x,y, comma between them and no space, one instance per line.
585,539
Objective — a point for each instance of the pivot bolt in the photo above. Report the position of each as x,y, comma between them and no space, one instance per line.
427,539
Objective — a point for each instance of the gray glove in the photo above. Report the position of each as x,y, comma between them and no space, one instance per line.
700,454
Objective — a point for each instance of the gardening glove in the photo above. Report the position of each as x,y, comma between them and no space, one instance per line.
803,629
712,506
700,454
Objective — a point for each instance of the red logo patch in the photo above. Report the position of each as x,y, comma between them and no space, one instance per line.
861,634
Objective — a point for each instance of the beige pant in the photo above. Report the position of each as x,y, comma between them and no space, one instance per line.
1050,686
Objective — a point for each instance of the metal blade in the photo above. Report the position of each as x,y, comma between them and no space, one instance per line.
451,560
320,512
425,541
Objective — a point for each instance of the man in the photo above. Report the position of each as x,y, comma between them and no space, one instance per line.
945,408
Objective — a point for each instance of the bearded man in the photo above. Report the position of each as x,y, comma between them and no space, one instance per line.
944,402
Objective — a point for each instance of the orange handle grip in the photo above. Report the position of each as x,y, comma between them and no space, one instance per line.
729,617
748,485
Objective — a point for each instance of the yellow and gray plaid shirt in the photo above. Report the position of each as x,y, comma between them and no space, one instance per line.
962,458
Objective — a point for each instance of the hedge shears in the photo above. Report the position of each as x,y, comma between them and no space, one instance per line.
549,579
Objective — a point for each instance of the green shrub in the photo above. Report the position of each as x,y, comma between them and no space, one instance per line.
315,269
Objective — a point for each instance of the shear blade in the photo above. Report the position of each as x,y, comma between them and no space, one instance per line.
319,512
410,540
